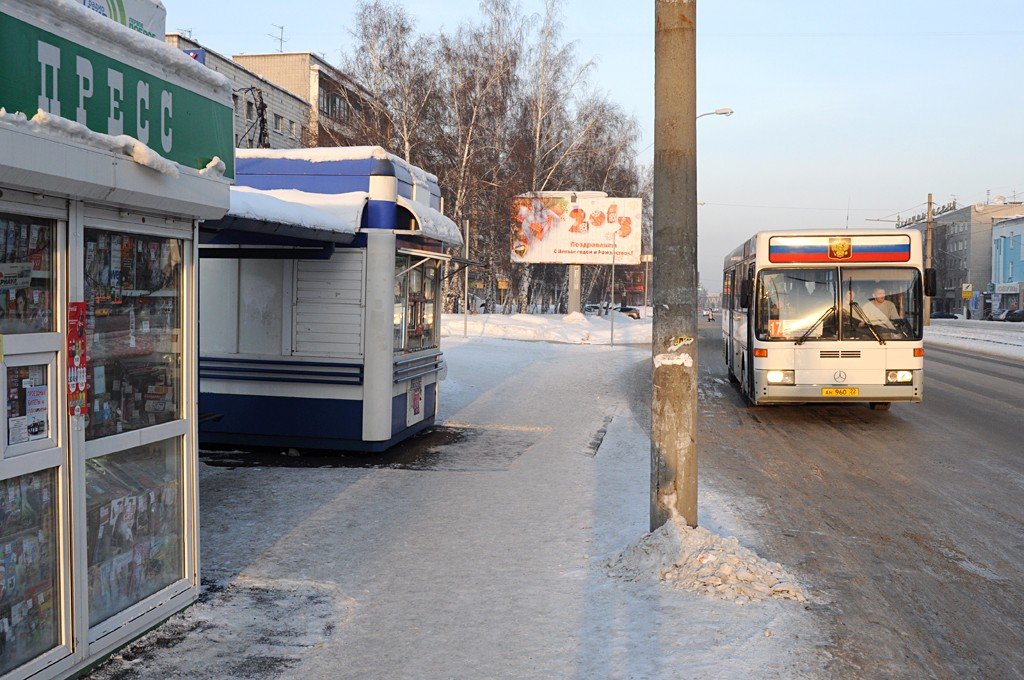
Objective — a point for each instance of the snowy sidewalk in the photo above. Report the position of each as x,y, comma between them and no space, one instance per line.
483,560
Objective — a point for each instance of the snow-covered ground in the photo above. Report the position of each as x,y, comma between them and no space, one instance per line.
993,338
515,550
573,328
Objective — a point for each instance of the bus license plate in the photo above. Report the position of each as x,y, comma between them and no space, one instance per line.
840,392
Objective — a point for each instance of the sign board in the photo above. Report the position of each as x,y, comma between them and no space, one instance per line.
93,87
15,275
558,230
148,17
966,290
78,389
1008,288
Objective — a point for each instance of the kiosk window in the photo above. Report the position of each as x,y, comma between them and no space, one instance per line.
134,522
28,402
26,278
29,587
132,293
415,323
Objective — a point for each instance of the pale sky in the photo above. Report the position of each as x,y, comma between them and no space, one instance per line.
842,107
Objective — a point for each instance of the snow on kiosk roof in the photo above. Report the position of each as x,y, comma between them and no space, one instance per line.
402,196
291,213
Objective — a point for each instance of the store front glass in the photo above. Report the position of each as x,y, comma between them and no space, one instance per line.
132,293
134,496
135,520
29,568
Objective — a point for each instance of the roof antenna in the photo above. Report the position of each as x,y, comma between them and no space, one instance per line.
279,38
847,212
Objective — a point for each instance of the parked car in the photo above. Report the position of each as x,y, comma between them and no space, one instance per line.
1016,315
944,315
631,312
591,308
997,315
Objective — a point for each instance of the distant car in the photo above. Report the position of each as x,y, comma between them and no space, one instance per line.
591,308
997,315
631,312
943,315
1017,315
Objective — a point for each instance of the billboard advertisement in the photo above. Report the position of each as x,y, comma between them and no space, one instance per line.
558,230
147,17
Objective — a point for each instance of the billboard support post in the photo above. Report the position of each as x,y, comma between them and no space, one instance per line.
575,286
612,310
465,281
674,342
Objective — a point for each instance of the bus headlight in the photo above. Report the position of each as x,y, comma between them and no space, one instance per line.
898,377
780,377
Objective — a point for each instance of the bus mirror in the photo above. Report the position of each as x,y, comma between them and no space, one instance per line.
745,293
929,282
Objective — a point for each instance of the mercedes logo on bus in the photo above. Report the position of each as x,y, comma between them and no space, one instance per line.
840,376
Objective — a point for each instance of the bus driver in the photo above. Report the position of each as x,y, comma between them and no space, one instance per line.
877,311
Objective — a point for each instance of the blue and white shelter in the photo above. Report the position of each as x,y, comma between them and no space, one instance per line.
319,301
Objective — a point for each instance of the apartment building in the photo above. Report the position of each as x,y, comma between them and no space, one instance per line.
266,115
336,101
962,251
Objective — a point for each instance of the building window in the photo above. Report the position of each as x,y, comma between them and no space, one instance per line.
293,127
236,102
278,123
250,111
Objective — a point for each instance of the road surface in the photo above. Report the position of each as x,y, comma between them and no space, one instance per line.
907,524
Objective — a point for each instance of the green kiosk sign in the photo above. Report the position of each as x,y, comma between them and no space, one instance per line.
40,70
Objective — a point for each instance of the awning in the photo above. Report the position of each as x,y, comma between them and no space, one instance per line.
425,255
332,218
432,223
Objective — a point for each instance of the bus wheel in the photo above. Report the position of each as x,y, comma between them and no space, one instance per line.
879,405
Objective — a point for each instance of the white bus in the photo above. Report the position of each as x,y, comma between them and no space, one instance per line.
826,316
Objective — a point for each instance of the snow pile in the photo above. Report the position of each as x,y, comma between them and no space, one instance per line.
573,328
215,168
339,213
44,122
700,561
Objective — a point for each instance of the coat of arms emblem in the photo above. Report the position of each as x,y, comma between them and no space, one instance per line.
840,249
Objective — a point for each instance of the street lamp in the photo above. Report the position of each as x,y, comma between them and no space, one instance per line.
717,112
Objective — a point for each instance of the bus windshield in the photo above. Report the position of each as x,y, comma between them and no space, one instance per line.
795,304
881,304
874,303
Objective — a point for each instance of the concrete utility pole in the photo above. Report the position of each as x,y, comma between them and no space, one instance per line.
674,347
928,261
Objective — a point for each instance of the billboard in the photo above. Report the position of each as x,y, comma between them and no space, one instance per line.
147,17
554,229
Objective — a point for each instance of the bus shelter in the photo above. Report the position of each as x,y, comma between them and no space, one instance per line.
112,147
319,306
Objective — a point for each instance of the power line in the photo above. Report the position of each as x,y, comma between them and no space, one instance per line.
792,207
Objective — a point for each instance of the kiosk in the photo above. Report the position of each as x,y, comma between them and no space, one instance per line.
321,331
112,147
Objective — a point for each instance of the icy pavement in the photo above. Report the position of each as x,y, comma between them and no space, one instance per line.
484,557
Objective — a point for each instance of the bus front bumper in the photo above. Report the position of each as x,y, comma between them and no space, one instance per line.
788,394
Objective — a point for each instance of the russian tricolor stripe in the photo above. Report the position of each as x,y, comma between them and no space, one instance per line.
818,249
